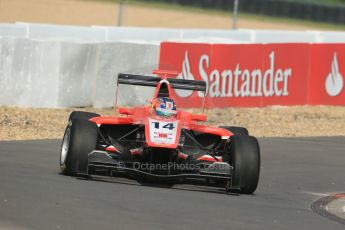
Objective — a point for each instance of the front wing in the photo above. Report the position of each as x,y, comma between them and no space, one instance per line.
100,162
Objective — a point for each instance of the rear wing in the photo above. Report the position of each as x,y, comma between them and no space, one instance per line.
132,79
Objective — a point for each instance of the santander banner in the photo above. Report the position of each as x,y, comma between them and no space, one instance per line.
255,75
327,72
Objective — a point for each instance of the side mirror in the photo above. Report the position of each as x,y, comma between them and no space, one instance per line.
126,111
199,117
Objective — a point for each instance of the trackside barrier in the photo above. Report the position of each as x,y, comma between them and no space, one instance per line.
114,58
255,75
58,66
29,73
56,74
97,34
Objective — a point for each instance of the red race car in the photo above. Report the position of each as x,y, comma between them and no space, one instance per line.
160,143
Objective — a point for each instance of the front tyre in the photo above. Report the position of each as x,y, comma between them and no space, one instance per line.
245,158
236,130
79,140
82,115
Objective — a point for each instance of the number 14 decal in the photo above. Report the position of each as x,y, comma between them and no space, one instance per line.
169,126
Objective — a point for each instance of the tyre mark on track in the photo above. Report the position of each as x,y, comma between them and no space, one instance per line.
320,207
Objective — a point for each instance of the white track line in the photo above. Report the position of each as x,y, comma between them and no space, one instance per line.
316,193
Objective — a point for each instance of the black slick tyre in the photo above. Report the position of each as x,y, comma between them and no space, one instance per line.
82,115
245,158
79,140
236,130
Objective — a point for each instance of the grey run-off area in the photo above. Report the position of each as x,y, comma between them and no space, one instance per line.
295,172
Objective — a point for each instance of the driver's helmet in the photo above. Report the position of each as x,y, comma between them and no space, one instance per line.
164,107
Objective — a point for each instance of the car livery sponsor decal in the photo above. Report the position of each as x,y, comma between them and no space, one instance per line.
163,132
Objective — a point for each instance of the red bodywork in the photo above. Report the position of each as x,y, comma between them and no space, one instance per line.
143,114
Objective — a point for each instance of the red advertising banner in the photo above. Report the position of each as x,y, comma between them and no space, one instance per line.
189,59
290,64
255,75
235,76
326,85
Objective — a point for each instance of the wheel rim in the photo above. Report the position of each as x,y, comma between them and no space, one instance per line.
65,146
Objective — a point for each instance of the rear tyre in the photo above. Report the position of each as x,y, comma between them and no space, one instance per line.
79,140
236,130
82,115
245,158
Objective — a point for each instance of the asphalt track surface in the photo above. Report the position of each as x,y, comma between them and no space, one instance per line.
295,173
